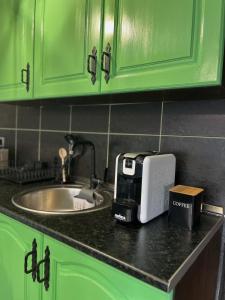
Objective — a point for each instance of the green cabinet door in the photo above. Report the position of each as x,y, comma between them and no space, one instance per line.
66,33
15,242
16,48
158,44
75,275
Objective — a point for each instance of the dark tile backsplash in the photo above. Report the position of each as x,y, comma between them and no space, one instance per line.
199,163
28,117
27,147
136,118
194,118
193,130
55,117
10,138
90,118
7,116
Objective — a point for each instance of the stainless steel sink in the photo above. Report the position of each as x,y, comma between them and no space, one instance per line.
61,199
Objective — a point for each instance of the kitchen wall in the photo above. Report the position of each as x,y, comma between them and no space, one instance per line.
193,130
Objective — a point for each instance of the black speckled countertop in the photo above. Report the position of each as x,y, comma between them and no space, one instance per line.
156,253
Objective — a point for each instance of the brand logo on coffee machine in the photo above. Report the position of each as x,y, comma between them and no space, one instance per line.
181,204
120,217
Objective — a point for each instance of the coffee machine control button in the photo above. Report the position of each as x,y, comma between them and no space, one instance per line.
129,167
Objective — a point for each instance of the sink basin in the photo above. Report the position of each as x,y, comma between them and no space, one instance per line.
60,199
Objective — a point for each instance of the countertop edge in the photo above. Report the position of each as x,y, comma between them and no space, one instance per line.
176,277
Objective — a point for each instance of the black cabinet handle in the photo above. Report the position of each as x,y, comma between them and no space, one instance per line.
25,77
33,254
106,61
92,64
46,262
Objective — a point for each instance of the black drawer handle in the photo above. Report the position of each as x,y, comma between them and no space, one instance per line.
33,254
25,73
106,62
46,262
92,64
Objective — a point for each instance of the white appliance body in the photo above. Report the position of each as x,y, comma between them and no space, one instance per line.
157,177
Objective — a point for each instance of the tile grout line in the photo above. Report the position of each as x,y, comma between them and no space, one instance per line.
118,133
114,104
194,136
108,136
160,129
39,133
70,124
16,137
131,103
132,134
70,118
89,132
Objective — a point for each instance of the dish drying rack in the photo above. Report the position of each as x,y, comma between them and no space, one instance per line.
35,172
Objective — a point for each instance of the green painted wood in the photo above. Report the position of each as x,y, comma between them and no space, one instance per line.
16,47
163,44
65,33
155,45
15,242
75,275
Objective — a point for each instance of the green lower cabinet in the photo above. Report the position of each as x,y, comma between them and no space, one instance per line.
158,44
72,274
15,243
75,275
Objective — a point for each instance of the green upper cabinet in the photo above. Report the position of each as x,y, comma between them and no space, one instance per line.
75,275
16,49
67,43
159,44
15,243
85,47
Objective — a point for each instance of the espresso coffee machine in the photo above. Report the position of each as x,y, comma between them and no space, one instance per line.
142,183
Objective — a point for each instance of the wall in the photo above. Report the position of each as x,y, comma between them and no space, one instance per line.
193,131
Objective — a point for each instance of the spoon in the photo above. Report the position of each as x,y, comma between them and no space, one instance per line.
63,155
